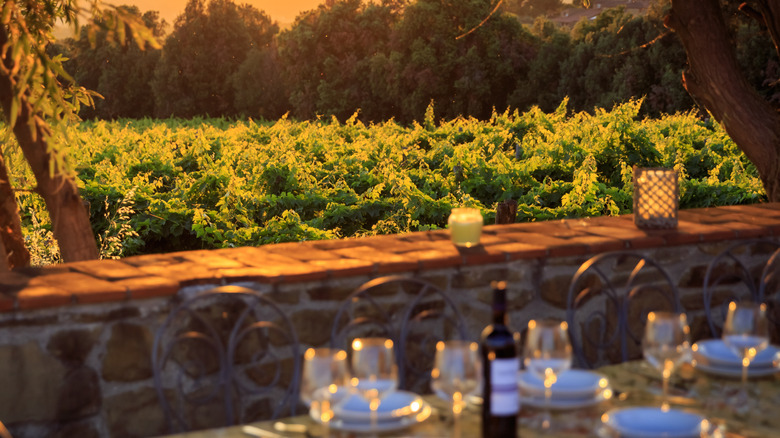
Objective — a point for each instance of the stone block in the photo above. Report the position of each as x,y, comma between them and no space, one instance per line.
518,295
675,255
330,293
440,279
128,353
72,346
313,325
480,276
273,373
135,414
80,394
291,296
107,314
693,277
554,290
80,429
25,320
29,379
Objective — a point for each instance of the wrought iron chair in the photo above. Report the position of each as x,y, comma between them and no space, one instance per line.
744,270
608,301
223,357
428,316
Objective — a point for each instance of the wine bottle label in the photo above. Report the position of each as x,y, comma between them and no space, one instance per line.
504,397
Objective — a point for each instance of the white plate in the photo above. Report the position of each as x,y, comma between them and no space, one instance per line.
397,404
571,385
381,426
566,404
645,422
734,372
717,354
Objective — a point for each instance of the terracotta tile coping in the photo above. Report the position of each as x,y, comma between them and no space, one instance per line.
161,275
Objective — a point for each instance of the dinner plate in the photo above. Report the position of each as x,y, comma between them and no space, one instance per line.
717,354
571,385
566,404
734,372
395,405
646,422
364,426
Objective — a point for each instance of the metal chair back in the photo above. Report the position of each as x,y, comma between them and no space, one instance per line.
429,315
607,304
748,270
225,356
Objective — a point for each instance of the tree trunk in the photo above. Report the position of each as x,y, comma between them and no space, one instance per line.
70,220
715,81
12,249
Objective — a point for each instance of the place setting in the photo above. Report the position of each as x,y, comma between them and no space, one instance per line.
744,350
547,382
665,346
356,391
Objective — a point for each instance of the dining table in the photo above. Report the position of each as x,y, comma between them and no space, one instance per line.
631,384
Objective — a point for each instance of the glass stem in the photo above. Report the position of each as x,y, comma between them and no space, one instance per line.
745,365
456,408
547,401
665,390
374,406
327,415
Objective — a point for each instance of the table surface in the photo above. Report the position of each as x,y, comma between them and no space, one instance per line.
634,383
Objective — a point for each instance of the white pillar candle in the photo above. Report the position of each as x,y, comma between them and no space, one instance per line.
465,226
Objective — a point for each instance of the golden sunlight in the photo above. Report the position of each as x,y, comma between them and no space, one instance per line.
283,11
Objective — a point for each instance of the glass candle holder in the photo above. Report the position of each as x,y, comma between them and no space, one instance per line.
656,198
465,226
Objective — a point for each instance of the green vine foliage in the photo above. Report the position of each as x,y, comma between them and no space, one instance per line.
174,184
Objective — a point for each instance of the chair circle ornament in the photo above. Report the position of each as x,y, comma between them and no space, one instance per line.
219,350
608,300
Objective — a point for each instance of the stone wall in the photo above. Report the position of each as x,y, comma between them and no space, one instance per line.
76,339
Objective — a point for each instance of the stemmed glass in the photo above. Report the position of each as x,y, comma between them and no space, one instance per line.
324,372
455,375
547,353
746,333
374,373
666,345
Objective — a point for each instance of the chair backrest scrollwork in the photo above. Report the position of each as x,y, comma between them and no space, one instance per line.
428,316
225,356
747,270
608,301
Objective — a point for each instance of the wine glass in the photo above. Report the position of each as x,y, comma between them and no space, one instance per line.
666,345
324,372
746,333
547,353
374,373
455,375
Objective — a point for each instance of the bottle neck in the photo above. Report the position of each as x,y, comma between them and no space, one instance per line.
499,306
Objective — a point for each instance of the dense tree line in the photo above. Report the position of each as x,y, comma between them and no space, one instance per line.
391,59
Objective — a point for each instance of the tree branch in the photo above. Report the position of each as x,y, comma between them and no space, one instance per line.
715,79
770,13
482,23
14,253
70,220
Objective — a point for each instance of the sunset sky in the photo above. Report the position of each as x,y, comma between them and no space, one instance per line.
283,11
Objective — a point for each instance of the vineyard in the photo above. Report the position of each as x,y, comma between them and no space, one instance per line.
164,185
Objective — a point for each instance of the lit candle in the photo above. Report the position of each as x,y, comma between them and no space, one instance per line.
655,198
465,226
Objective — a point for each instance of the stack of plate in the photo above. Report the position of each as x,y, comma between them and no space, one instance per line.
646,422
573,389
713,356
398,410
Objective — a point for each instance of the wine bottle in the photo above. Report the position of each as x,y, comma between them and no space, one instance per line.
500,398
